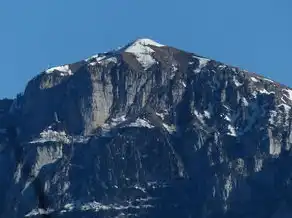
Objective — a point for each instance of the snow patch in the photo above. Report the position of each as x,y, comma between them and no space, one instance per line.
39,211
160,115
97,57
138,187
174,68
146,60
104,60
207,114
222,67
244,101
141,123
268,80
264,91
171,129
199,116
64,70
254,79
118,120
95,206
202,63
146,42
227,118
236,82
232,131
141,50
52,136
69,207
106,127
114,122
254,94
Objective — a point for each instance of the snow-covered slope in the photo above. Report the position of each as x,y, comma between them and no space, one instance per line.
142,50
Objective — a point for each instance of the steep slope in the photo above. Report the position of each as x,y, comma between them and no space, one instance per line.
148,131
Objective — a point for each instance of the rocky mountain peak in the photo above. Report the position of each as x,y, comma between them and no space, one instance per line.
156,131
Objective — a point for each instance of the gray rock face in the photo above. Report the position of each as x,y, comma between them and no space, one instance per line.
147,131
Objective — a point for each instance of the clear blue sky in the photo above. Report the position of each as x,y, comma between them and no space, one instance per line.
34,34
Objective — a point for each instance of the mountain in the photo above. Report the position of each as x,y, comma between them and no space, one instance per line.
147,130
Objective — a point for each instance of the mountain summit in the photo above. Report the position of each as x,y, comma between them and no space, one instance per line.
147,130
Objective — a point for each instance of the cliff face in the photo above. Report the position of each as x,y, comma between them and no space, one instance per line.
147,131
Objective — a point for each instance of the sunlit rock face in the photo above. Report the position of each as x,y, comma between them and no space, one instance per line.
147,131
